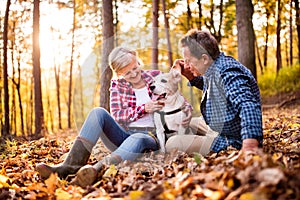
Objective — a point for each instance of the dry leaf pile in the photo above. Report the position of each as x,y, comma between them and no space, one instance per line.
272,173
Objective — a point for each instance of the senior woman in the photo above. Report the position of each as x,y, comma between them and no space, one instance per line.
127,131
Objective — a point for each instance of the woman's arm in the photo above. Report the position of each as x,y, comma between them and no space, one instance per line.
122,105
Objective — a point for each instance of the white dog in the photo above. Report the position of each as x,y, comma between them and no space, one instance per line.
168,120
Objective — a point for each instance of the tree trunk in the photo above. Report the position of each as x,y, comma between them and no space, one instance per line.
188,22
167,33
39,114
13,112
246,46
57,82
258,56
18,86
5,75
49,115
200,14
108,45
266,40
286,49
219,36
116,24
298,26
1,87
30,109
189,15
278,30
155,34
71,65
291,33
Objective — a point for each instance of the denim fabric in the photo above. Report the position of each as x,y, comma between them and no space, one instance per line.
128,145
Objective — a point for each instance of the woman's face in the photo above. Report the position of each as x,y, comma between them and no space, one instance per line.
131,73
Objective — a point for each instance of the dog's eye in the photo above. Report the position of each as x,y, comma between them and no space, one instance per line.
163,80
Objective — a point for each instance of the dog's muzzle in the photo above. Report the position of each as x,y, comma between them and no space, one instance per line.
152,87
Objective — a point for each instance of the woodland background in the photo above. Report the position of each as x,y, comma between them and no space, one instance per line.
54,70
54,53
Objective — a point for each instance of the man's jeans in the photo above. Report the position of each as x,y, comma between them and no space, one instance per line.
100,124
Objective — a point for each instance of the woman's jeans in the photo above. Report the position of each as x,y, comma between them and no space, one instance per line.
128,145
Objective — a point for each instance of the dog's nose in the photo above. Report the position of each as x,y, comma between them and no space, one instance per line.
152,87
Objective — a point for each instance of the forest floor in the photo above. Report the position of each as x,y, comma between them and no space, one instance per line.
272,173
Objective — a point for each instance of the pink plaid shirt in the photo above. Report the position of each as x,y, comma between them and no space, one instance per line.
123,106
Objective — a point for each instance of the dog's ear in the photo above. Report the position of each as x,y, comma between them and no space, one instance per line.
176,74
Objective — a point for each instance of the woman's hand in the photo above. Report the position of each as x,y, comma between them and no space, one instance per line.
153,106
186,121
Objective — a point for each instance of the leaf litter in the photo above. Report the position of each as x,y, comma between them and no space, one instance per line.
271,173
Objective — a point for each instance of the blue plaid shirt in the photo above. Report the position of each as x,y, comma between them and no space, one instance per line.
230,103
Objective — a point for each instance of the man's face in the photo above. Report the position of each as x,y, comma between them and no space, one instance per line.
196,66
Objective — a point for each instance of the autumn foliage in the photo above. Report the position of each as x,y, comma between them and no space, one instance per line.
272,173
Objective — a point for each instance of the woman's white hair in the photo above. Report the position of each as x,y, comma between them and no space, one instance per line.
121,57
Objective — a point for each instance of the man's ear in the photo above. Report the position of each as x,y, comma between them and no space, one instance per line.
206,59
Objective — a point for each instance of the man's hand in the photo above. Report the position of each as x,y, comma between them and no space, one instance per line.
250,145
184,69
178,64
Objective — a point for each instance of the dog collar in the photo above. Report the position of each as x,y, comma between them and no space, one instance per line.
163,121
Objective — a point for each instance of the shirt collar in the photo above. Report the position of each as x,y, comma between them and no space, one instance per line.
211,69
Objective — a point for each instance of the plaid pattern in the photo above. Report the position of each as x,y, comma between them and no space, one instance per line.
230,103
123,106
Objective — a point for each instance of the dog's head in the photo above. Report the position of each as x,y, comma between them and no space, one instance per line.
166,84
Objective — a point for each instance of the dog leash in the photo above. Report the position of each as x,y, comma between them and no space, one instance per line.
163,121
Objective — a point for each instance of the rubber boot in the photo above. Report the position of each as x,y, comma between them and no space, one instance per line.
88,174
77,157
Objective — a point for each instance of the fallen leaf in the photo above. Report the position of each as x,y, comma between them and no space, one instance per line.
111,171
62,195
51,183
270,176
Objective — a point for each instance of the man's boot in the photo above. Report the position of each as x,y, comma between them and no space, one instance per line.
77,157
88,174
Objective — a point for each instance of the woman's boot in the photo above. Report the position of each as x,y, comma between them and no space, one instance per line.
77,157
88,174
